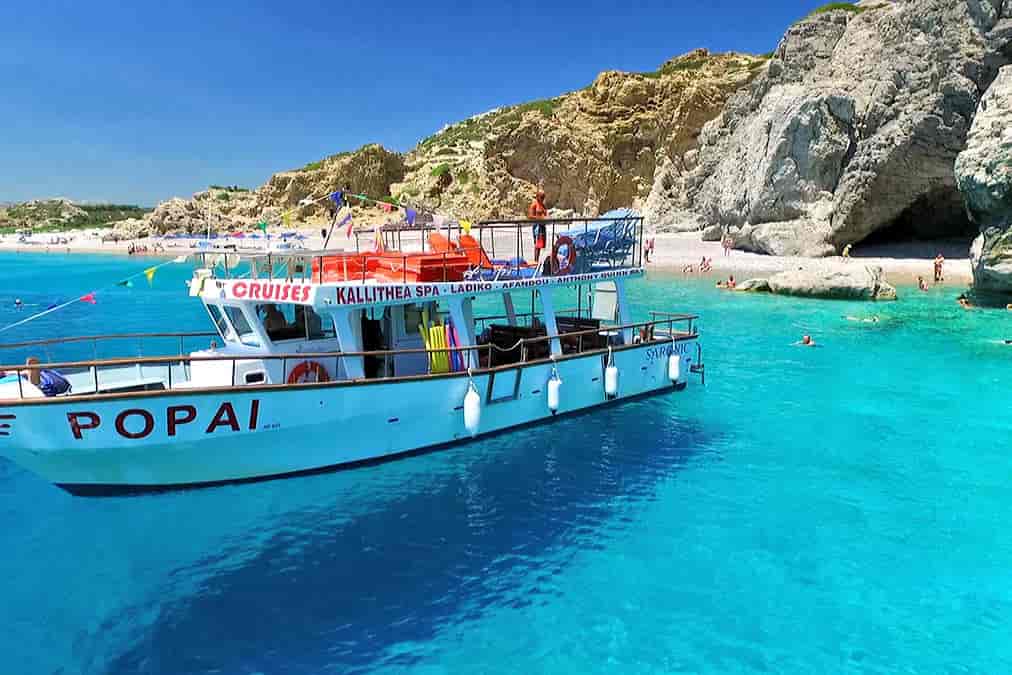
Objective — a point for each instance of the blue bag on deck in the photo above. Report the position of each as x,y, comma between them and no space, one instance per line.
52,383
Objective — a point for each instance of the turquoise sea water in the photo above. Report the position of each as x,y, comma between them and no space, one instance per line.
839,509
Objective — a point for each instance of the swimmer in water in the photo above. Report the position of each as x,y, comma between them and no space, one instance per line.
873,319
805,341
964,302
18,305
922,284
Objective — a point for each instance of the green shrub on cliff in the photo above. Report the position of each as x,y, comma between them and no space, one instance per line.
833,6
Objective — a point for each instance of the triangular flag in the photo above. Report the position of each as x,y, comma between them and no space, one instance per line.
180,259
336,197
410,215
386,207
150,274
346,221
286,218
465,225
262,226
89,298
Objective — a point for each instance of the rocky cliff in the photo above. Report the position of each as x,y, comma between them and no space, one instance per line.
46,215
370,170
984,173
592,150
852,129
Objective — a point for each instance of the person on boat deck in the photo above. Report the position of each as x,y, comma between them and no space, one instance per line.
537,211
274,320
309,323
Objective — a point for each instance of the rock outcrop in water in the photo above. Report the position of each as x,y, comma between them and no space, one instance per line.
851,129
857,282
984,172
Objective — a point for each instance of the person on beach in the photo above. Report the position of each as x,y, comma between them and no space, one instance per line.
648,249
688,269
725,242
537,211
922,284
846,252
939,263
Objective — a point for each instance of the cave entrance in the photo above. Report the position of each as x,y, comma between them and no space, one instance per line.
938,215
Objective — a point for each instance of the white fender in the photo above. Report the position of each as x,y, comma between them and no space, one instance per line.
674,367
611,380
472,410
554,385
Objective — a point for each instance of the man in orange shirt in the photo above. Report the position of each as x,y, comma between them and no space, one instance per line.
537,211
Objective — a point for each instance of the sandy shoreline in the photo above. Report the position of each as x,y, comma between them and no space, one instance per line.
901,263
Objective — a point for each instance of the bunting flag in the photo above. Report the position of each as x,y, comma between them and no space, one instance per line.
336,197
346,221
306,201
286,220
90,297
465,225
262,226
438,221
149,274
410,215
386,207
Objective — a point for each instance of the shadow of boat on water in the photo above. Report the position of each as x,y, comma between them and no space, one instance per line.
338,585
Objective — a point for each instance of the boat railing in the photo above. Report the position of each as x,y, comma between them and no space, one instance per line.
655,331
46,346
505,250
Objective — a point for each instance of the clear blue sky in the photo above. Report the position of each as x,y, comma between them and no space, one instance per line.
140,101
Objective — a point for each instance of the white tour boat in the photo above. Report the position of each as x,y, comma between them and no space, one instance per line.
324,359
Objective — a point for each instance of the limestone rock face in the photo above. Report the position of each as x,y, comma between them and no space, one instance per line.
852,128
369,170
984,173
592,150
858,282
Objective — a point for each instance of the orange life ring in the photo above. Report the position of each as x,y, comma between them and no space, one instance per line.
563,256
300,373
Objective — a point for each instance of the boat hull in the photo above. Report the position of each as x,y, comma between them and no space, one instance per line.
166,440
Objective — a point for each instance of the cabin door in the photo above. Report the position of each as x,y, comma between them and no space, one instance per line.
404,322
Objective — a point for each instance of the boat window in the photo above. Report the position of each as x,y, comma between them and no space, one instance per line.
220,323
241,326
293,322
412,319
316,326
